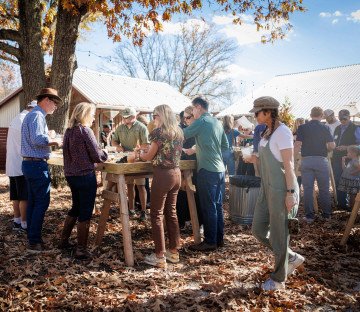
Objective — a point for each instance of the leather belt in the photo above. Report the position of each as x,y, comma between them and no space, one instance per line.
34,159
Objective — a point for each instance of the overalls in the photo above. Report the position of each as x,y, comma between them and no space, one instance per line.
270,213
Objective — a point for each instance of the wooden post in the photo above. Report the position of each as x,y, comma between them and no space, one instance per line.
124,213
102,221
97,124
351,220
192,206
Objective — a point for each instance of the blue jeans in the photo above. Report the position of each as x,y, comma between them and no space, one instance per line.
316,167
229,161
83,192
337,169
210,187
38,182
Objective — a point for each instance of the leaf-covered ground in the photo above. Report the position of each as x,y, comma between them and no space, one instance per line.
224,280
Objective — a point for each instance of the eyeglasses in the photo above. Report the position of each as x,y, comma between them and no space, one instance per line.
155,115
343,118
188,117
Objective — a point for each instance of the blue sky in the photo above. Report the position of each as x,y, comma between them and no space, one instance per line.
326,35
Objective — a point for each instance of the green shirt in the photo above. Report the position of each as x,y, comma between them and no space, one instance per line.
130,137
210,139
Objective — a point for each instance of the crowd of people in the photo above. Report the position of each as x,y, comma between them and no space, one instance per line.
284,159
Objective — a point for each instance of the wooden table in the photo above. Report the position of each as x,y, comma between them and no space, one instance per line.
116,177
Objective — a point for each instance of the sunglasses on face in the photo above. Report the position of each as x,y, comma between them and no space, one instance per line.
189,117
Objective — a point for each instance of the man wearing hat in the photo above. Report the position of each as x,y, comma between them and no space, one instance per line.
347,133
35,150
18,186
126,138
331,120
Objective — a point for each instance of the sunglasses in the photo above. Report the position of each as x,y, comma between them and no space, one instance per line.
343,118
189,117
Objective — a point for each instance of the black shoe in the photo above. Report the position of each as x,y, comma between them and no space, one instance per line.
220,244
22,230
16,226
203,247
142,216
132,213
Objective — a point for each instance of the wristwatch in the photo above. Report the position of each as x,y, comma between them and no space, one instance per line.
292,191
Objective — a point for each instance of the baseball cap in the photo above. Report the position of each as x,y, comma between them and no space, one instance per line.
32,104
265,102
328,113
344,114
129,111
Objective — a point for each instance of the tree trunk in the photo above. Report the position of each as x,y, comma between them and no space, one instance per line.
64,62
31,58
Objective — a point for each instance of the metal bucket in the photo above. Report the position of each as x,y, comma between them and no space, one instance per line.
242,200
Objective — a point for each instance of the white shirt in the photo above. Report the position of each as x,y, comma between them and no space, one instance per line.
333,126
281,139
13,146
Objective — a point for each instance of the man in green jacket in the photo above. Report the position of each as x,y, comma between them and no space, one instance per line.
210,140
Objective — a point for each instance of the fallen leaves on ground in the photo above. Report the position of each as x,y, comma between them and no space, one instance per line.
227,279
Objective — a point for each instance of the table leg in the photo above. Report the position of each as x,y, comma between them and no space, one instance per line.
104,215
124,213
102,221
192,206
351,220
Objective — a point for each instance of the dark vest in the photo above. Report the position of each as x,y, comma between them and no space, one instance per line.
348,138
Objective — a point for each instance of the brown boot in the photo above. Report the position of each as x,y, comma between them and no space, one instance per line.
81,252
66,232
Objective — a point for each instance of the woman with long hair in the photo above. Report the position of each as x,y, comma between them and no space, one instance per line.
231,135
165,152
81,153
279,192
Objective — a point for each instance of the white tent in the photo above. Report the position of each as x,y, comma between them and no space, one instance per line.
335,88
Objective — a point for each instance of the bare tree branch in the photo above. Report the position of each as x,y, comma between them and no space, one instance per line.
9,59
9,49
194,61
9,34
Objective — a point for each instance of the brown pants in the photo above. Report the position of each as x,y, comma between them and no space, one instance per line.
164,190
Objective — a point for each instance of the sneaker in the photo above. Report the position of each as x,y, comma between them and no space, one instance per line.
16,226
308,220
132,213
203,247
35,248
155,261
22,230
272,285
294,263
142,216
172,257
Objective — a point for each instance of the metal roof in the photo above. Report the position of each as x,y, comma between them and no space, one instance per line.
334,88
117,92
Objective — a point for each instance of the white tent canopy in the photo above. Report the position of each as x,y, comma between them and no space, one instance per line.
334,88
118,92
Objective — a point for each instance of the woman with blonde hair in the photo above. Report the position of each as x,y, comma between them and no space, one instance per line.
165,152
81,153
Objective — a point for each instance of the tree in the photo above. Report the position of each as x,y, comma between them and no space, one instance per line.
31,28
193,61
7,78
285,113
